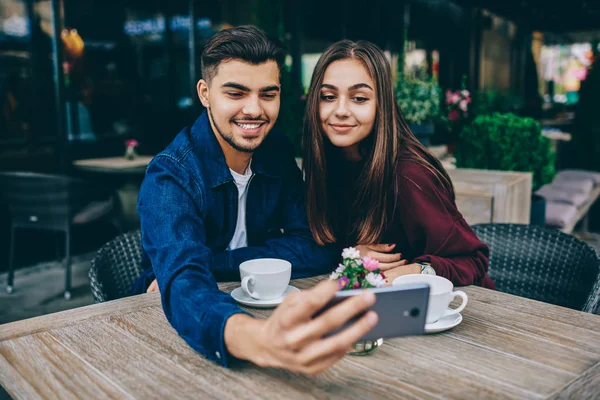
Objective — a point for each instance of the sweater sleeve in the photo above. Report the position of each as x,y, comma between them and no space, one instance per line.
437,232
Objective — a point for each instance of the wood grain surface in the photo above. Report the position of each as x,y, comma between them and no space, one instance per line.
506,347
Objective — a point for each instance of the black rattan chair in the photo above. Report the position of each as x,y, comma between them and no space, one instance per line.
592,304
542,264
55,203
116,266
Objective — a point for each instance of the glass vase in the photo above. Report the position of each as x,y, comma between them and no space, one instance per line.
365,347
130,152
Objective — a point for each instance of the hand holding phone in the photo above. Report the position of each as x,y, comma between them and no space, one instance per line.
401,309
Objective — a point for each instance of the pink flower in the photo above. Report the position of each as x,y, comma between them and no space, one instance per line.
370,263
356,285
343,282
454,115
451,97
131,143
464,105
580,73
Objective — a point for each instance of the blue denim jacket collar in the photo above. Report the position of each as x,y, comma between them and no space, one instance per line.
204,140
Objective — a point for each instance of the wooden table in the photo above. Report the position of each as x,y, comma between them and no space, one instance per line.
114,164
506,347
131,173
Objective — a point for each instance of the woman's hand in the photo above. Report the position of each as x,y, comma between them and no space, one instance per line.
381,252
393,273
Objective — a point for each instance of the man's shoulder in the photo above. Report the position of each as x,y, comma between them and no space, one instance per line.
180,147
185,152
177,159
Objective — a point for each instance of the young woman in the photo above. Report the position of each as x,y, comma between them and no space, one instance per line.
370,183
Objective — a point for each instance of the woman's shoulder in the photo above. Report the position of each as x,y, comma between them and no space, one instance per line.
414,172
414,175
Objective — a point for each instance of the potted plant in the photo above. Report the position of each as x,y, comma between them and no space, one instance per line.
419,101
510,143
457,104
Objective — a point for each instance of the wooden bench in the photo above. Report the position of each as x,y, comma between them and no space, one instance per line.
569,199
583,213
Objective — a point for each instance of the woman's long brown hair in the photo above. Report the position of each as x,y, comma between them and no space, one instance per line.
378,184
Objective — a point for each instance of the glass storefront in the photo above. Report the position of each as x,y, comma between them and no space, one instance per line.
563,68
126,74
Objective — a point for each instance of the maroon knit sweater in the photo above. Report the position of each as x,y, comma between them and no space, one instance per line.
427,226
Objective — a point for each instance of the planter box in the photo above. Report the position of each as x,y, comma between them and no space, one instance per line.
484,196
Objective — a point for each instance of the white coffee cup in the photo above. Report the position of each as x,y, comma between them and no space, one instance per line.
441,294
265,278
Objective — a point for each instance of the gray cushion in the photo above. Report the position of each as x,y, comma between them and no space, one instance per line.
93,211
579,174
576,185
557,194
560,215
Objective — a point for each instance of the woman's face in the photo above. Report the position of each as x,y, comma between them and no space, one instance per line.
347,105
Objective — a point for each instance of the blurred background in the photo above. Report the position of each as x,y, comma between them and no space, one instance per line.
91,90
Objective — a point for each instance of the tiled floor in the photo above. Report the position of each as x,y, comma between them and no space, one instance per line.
39,289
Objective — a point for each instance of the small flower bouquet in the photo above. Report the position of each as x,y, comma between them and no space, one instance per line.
130,146
458,104
357,273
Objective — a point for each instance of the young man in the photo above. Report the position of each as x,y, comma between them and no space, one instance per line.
226,190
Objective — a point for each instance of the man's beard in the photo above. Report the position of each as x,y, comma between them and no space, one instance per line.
229,137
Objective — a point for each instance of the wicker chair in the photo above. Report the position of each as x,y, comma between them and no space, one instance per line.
592,304
543,264
116,266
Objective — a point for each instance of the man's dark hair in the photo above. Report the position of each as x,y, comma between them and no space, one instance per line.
247,43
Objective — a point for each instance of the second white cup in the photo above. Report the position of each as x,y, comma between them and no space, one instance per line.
265,278
441,294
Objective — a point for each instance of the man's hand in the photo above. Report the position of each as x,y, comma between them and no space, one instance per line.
292,339
380,252
392,274
153,287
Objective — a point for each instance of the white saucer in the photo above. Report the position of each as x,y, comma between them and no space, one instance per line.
444,323
241,297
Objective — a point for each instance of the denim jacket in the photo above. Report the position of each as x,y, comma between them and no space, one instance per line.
188,211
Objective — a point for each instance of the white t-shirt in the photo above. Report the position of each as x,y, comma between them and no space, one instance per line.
240,238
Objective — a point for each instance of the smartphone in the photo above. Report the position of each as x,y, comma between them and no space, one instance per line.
401,310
